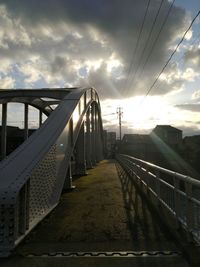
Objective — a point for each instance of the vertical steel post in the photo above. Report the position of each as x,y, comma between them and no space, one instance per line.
80,165
4,131
68,180
25,121
88,140
99,144
24,208
40,118
93,137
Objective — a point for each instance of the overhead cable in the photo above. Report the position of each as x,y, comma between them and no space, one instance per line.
137,43
169,59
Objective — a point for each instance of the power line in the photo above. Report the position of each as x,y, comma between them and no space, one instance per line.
164,67
196,40
147,42
137,43
157,37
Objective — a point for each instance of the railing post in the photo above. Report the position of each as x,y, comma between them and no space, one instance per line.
177,204
80,164
189,206
146,178
4,131
157,173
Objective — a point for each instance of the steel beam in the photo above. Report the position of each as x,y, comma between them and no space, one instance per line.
80,164
4,131
26,110
40,117
93,136
88,140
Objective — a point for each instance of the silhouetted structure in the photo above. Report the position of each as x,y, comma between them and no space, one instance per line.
164,147
110,143
191,150
15,137
168,134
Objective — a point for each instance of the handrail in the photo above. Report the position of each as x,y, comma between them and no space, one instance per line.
179,194
180,176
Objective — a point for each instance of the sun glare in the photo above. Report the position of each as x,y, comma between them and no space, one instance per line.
143,117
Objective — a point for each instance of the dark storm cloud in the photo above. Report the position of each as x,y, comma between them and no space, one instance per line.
120,21
116,23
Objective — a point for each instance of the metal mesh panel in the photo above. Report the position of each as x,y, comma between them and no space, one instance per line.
7,227
42,183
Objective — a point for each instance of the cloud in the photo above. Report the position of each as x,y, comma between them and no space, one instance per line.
7,83
70,37
189,107
189,130
196,95
172,80
192,57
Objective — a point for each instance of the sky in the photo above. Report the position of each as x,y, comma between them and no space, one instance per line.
77,43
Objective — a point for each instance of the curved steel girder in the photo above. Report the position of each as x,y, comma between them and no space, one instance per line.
49,147
44,106
33,97
55,93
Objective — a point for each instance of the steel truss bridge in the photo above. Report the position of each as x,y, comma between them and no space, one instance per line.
34,175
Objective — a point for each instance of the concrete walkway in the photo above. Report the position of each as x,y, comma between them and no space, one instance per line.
105,213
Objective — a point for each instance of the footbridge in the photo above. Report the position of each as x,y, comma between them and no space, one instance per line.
121,212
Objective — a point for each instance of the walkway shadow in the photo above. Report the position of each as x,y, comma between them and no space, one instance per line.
146,230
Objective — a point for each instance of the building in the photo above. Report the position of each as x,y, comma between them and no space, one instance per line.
14,138
138,145
191,150
111,144
162,147
170,135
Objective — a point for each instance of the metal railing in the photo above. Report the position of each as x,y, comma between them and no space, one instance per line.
178,193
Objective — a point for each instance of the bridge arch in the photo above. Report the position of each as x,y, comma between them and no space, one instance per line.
33,176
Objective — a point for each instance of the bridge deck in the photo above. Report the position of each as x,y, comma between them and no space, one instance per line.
104,213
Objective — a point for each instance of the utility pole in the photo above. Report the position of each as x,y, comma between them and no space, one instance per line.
120,113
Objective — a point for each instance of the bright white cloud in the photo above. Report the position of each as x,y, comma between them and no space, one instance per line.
196,95
192,56
7,83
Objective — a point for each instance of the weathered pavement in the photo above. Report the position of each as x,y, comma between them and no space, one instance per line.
105,213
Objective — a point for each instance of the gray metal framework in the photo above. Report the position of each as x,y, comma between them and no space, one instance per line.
177,193
33,176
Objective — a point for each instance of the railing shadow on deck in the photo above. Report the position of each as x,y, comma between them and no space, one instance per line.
146,229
